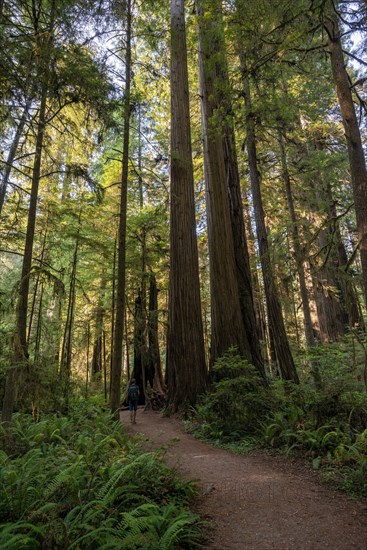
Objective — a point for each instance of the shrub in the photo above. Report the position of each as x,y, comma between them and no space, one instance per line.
237,402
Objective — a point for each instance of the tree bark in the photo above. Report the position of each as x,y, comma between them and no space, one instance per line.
113,304
239,235
12,153
20,337
350,299
66,354
185,338
299,259
154,356
140,347
327,290
227,323
97,358
259,301
310,340
87,363
357,161
116,367
275,316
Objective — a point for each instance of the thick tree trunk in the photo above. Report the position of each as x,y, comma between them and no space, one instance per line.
104,365
281,344
116,367
227,323
185,339
223,105
240,241
357,161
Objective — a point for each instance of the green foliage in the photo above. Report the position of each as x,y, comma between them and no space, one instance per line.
327,426
237,401
78,482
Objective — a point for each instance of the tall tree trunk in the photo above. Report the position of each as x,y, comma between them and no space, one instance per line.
127,345
260,312
104,366
140,347
299,258
349,298
221,103
37,283
116,367
281,344
87,365
20,336
22,306
298,253
12,153
325,281
154,355
351,303
185,338
357,161
37,344
113,304
227,323
66,353
97,358
237,213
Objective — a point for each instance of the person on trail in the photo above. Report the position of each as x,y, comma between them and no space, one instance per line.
132,399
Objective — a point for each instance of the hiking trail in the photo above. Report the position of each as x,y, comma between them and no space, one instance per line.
256,501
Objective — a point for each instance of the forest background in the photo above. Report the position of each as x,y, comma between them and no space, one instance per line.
183,199
181,185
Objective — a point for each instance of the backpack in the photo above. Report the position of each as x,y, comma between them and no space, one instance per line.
133,392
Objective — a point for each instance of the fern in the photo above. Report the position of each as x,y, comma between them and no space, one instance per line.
183,528
14,536
76,483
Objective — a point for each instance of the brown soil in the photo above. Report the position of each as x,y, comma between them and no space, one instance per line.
257,502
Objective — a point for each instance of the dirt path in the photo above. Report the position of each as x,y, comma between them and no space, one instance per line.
257,502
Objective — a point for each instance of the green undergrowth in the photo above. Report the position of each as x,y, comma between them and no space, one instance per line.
328,427
79,482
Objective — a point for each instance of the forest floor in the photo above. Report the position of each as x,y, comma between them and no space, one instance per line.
256,501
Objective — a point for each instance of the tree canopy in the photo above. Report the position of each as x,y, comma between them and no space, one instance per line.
177,181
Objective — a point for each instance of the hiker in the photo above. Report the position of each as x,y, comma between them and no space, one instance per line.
132,399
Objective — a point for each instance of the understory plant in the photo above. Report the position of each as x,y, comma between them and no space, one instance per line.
78,482
327,425
236,403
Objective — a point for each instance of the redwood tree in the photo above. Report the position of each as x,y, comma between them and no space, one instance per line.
357,161
227,320
185,339
275,315
116,363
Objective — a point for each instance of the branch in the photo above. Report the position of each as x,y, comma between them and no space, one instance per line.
3,251
355,57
